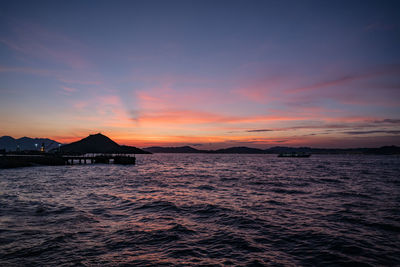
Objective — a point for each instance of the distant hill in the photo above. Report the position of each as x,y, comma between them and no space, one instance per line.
98,143
132,150
239,150
188,149
386,150
284,149
26,143
181,149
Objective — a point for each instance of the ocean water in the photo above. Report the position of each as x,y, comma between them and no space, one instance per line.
204,210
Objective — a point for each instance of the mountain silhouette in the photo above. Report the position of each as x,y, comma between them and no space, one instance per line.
240,150
189,149
98,143
181,149
386,150
26,143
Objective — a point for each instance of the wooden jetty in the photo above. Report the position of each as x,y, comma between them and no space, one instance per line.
125,160
13,161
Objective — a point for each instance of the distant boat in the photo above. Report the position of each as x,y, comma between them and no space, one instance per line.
294,155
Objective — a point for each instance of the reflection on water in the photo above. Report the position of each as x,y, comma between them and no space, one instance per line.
176,209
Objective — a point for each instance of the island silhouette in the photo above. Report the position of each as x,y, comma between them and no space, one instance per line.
99,143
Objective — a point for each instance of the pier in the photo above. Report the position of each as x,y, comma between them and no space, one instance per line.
13,161
105,159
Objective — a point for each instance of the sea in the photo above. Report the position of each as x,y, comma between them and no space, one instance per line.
204,210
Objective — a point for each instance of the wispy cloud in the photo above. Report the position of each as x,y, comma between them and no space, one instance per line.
101,111
184,116
82,82
29,70
259,130
187,116
261,90
388,121
35,41
337,125
68,90
66,77
335,82
372,132
348,78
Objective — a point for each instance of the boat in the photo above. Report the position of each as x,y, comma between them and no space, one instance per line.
294,155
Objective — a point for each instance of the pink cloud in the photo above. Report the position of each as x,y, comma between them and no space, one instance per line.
165,97
260,91
69,89
112,100
253,94
102,111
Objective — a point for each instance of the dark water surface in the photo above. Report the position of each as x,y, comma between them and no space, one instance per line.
185,210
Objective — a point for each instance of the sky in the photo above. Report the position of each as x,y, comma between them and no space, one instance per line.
209,74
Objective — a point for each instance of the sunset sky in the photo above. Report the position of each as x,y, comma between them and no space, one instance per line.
209,74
